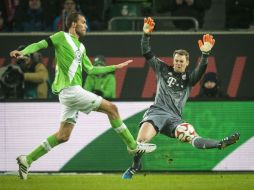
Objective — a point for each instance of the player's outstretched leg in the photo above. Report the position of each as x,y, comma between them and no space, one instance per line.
23,167
118,125
229,140
136,166
25,161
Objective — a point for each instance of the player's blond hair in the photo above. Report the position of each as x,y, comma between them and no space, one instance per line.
182,52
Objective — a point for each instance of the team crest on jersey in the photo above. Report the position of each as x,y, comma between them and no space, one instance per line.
78,54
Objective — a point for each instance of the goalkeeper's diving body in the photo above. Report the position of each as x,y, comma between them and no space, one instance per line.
174,84
71,58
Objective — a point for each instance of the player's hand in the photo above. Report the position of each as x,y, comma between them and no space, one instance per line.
207,44
124,64
16,53
148,25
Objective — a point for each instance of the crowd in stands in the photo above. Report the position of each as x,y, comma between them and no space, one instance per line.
49,16
210,87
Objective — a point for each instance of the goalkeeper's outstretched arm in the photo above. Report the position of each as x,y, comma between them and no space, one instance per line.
205,47
30,49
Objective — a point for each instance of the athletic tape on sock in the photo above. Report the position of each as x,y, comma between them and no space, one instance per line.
121,128
46,145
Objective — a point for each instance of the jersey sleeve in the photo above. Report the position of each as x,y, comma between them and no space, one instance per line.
57,38
86,63
197,73
146,50
91,70
34,47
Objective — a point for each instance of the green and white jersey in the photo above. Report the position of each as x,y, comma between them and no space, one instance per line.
71,60
70,57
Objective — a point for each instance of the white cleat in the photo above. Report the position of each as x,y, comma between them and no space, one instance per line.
143,148
23,167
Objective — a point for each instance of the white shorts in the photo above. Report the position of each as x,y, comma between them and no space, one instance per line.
74,99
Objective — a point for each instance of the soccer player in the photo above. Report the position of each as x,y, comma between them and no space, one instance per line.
71,58
173,87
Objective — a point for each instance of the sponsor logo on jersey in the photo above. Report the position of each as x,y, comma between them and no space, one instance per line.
171,81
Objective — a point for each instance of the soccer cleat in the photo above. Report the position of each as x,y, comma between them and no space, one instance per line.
129,173
229,140
23,167
136,166
143,148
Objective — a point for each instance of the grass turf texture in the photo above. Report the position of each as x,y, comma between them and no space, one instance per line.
207,181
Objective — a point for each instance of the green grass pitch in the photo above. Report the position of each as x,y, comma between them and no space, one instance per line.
171,181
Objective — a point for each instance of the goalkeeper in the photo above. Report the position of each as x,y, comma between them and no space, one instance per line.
174,84
70,59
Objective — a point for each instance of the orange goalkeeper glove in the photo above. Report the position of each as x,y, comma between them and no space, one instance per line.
207,44
148,25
